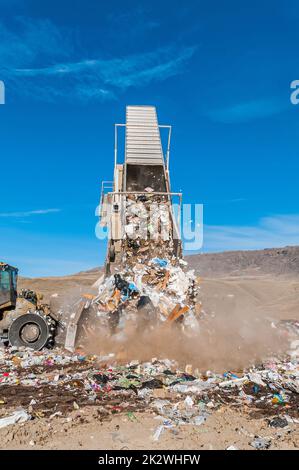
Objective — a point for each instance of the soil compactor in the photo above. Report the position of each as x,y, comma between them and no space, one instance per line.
24,320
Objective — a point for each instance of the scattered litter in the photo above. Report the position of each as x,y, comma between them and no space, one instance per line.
160,429
158,433
233,383
58,413
278,422
279,398
261,443
131,416
19,416
198,420
188,402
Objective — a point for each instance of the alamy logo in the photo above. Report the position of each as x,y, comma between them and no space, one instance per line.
2,92
295,94
144,219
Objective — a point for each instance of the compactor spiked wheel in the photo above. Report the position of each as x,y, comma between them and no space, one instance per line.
33,330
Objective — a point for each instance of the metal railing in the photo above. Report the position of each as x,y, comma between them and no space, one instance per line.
105,187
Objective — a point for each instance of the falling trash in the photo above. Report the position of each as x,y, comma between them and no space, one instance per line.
161,262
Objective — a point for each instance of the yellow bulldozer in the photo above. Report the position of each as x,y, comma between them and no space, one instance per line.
24,320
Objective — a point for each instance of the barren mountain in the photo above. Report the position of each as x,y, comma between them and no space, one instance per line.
273,261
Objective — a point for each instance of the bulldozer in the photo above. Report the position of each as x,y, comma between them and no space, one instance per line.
24,320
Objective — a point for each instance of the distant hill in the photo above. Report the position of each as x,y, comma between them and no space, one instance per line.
274,261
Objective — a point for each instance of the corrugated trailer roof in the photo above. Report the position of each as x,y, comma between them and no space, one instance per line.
143,141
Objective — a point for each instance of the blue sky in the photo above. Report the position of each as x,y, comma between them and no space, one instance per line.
219,72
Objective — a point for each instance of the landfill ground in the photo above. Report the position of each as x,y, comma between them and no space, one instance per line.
235,386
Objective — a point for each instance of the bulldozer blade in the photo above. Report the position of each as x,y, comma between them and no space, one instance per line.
71,331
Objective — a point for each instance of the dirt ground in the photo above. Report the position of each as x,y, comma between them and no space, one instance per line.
84,429
242,307
266,295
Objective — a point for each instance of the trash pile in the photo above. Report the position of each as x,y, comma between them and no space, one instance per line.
149,294
147,217
53,383
150,285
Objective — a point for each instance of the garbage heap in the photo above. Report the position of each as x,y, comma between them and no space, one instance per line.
150,285
50,384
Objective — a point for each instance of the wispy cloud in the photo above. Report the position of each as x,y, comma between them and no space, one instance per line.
62,77
21,214
31,41
102,77
274,231
247,111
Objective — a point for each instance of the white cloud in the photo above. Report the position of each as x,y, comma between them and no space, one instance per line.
40,42
20,214
103,76
274,231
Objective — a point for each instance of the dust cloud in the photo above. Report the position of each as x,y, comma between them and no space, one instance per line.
222,343
235,330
